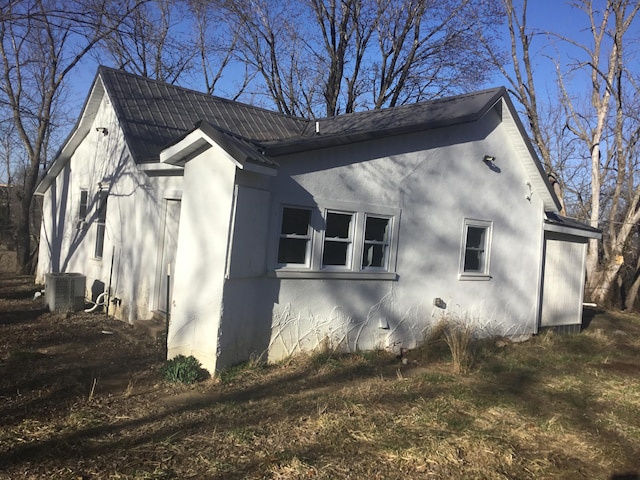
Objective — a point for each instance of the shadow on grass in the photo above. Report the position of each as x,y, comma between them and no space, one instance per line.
284,396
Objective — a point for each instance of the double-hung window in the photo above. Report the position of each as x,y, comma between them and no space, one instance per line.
375,251
476,243
101,218
338,240
341,241
294,247
84,205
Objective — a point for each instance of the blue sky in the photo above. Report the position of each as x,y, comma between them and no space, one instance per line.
543,16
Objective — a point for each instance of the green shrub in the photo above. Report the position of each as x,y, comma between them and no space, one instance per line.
181,369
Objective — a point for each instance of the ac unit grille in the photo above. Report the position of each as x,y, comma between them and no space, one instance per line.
64,292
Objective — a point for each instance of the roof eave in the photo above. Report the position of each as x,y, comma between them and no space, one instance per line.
574,231
551,201
75,137
318,141
202,137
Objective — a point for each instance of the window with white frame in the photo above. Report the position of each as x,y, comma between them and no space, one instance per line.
294,247
84,204
338,240
101,218
375,252
474,261
346,241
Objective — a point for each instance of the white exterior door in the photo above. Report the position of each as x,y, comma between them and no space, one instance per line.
169,247
563,282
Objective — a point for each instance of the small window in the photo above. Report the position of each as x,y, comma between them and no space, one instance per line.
83,207
375,252
101,218
475,254
338,240
295,236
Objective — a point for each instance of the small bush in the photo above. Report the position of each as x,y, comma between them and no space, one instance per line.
181,369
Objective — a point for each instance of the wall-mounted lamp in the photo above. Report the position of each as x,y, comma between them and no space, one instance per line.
488,159
102,130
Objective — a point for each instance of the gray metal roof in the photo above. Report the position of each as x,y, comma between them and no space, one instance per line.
400,120
153,113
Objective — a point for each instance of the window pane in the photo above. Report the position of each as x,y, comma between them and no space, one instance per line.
338,225
292,250
295,236
335,253
99,240
84,200
101,213
373,255
376,229
295,221
473,261
475,237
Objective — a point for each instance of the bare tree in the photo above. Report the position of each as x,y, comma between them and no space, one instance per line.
599,132
41,43
152,42
603,132
428,49
215,45
518,72
324,57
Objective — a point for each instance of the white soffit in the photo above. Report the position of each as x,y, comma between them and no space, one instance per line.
535,174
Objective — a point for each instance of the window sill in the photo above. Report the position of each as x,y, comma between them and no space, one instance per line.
478,277
333,275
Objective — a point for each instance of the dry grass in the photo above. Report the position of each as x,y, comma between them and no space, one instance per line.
554,407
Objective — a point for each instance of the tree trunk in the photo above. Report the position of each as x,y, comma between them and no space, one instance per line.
632,292
23,229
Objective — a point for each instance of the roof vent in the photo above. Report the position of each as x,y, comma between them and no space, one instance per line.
317,128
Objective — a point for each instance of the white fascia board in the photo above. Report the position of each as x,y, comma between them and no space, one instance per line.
159,167
76,136
197,142
189,147
532,165
576,232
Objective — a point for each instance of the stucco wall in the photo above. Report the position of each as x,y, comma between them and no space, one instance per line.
201,258
133,224
435,180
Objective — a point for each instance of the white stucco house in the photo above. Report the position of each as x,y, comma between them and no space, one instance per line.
282,233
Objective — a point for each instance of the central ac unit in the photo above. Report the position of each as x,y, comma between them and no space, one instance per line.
64,292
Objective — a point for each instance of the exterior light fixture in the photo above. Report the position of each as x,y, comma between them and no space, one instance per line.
488,159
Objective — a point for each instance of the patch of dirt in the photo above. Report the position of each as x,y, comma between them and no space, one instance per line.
50,361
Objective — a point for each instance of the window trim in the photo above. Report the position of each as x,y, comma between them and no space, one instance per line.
102,197
83,205
349,240
314,267
308,236
386,244
483,274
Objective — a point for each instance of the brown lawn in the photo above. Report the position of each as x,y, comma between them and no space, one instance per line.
81,397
